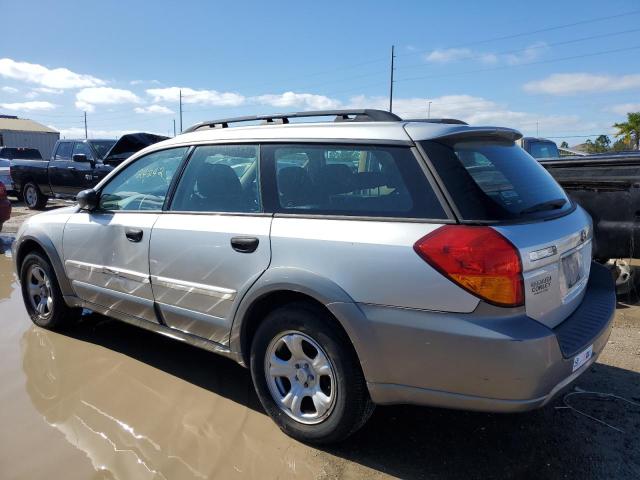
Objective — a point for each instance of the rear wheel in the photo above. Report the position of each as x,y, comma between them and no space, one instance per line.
307,375
41,293
33,197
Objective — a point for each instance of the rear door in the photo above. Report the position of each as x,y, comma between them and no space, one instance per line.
213,242
492,181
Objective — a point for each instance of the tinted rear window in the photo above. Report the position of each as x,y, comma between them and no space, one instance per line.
543,150
20,153
496,181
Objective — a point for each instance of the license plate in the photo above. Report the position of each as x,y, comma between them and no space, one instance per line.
582,358
572,268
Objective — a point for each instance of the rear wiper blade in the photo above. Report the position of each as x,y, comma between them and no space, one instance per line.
549,205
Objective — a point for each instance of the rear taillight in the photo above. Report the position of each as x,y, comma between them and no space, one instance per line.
3,192
478,259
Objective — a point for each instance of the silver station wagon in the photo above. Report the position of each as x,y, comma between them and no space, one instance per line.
361,261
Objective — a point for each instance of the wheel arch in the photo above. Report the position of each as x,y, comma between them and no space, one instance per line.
43,245
281,286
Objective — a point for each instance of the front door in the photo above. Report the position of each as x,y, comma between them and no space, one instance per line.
106,252
212,244
61,168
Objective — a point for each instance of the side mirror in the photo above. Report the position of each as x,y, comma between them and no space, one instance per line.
88,199
82,158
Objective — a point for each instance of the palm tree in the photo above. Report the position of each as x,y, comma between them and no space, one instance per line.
630,130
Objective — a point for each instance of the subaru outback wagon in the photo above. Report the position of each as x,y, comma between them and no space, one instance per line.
363,261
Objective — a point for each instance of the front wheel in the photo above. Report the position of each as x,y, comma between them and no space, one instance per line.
308,376
33,197
41,293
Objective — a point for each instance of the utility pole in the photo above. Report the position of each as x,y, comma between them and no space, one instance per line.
180,110
429,109
85,126
391,83
537,129
174,127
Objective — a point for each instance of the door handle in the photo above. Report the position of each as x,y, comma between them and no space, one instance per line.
71,168
133,234
244,244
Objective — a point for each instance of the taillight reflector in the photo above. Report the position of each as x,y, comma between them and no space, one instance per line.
478,259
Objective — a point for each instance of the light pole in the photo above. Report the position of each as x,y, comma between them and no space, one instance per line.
429,109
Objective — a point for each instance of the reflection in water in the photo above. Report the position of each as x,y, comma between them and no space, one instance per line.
137,421
6,269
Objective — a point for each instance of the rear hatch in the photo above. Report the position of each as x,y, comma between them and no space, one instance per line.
490,181
129,144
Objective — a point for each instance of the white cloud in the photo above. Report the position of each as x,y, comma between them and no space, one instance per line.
88,98
140,82
527,55
9,90
153,109
515,57
31,94
47,77
189,95
306,101
449,55
52,91
474,110
78,132
624,108
574,83
28,106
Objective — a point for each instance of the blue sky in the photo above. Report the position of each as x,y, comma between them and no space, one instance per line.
123,62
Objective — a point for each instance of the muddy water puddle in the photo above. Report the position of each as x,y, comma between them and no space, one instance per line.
107,400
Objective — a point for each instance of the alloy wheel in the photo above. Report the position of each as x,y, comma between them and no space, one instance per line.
300,377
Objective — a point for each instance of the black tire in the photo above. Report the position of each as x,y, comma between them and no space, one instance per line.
33,198
58,315
352,406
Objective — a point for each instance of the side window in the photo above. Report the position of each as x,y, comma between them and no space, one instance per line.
64,151
351,180
219,178
142,185
84,149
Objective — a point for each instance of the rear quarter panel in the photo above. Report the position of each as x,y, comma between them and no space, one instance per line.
372,261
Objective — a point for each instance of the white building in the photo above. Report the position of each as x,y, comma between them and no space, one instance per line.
20,132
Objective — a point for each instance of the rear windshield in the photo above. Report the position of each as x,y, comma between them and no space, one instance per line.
543,150
491,180
20,153
102,146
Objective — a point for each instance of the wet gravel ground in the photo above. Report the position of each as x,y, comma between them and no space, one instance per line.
107,400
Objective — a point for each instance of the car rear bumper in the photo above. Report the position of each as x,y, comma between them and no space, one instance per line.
494,359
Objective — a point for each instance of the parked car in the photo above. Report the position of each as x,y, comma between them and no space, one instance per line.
5,205
387,262
7,154
75,166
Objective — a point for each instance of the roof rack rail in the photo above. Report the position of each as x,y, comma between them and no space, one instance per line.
362,115
454,121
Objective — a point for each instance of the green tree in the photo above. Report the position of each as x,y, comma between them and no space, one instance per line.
564,145
630,130
620,145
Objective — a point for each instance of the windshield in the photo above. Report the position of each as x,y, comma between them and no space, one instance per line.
543,150
491,180
102,146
